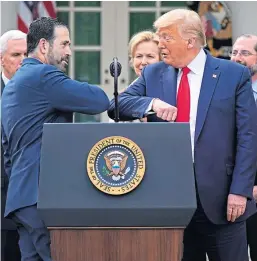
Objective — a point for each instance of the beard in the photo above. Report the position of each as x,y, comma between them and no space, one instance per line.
60,62
252,68
243,63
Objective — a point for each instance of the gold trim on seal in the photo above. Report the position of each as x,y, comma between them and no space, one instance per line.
130,146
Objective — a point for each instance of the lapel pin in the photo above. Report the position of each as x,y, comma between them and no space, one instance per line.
214,76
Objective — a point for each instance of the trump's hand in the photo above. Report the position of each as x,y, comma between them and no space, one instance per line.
236,207
164,110
255,193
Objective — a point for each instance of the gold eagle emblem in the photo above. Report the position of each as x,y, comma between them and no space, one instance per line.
116,162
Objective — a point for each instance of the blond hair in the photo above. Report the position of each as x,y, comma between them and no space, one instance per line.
144,36
189,24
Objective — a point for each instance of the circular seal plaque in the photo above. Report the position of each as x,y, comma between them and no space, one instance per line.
116,165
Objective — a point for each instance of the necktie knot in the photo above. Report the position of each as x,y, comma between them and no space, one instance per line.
185,70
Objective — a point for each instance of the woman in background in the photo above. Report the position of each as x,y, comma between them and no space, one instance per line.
143,50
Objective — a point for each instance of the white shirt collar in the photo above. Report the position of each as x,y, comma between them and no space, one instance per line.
254,85
5,79
198,63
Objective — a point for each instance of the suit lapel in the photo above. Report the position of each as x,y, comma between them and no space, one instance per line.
169,85
209,82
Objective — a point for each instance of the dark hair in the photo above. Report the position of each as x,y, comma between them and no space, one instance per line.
41,28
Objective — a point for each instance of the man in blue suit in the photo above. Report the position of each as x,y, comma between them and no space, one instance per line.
245,52
215,97
39,93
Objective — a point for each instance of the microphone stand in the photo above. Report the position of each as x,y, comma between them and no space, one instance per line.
116,119
115,69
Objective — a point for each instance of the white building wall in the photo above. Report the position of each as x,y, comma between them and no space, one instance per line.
8,16
244,18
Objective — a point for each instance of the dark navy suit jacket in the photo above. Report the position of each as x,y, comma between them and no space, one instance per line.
37,94
225,149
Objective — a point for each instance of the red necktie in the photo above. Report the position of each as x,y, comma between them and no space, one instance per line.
183,98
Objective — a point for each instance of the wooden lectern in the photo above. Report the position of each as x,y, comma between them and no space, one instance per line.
145,224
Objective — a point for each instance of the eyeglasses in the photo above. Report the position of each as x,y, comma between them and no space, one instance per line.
165,37
244,53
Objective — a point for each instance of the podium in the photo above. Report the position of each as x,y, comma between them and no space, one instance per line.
89,223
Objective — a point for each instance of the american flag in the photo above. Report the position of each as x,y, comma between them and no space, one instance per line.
31,10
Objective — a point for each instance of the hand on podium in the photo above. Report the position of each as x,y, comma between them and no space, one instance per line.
164,110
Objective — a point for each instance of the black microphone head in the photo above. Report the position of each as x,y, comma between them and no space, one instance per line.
112,67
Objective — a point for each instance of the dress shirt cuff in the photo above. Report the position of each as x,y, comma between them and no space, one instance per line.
149,108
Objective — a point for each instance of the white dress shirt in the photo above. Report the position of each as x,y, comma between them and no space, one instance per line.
195,77
5,79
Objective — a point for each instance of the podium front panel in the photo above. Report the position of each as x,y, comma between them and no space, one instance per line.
164,198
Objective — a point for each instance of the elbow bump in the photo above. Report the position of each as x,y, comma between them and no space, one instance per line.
104,104
110,113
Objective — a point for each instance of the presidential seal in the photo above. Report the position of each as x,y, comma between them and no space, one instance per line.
115,165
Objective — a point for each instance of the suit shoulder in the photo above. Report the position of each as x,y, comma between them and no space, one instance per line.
155,67
47,68
35,71
50,73
232,66
236,72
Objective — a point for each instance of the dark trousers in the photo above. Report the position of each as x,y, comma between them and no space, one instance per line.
220,242
9,246
34,237
10,250
251,225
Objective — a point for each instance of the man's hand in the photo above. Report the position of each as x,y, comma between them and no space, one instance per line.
255,193
236,207
164,110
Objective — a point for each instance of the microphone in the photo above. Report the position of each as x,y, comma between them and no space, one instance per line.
115,70
115,64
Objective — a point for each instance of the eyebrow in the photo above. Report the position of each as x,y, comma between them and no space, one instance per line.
18,52
66,42
146,53
241,50
163,32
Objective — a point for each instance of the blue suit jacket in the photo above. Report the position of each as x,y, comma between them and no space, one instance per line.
37,94
225,153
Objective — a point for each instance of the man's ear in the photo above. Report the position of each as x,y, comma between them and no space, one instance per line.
191,43
43,45
1,59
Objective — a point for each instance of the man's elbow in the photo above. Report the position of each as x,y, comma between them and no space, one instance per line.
102,104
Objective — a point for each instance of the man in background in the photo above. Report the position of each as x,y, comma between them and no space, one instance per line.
245,52
13,49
